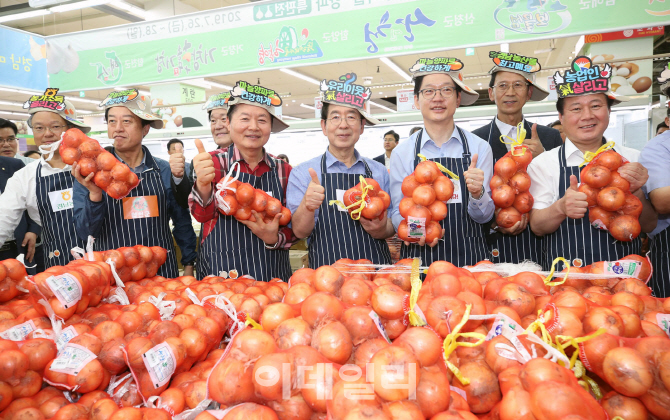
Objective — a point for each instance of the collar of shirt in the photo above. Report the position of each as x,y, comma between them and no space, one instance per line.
332,161
506,129
236,156
425,138
141,167
47,169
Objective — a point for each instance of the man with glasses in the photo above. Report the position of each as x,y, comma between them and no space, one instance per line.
44,187
114,223
438,91
511,86
9,143
331,231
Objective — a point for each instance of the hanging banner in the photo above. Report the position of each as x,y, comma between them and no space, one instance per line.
22,60
286,33
627,34
405,100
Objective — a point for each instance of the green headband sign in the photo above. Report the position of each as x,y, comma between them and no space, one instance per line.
287,33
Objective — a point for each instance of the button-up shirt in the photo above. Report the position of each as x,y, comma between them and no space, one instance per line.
545,171
656,158
300,177
508,130
402,165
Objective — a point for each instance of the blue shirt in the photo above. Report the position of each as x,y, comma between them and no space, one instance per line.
88,215
300,177
656,158
402,165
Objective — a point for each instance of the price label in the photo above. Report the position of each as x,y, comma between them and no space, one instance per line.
66,288
663,321
19,332
160,363
72,359
630,268
65,336
378,324
416,227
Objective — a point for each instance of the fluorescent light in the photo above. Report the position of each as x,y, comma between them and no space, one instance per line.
10,103
24,15
219,85
77,6
288,117
382,106
307,106
21,114
301,76
25,92
90,101
132,9
395,68
504,47
579,45
83,111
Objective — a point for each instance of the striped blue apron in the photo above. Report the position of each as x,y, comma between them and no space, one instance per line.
58,233
578,242
336,235
464,242
117,232
660,260
231,245
515,248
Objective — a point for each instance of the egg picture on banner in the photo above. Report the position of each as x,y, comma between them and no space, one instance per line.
626,77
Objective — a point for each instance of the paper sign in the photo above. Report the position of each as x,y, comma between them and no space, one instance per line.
140,207
72,359
61,200
19,332
160,363
66,288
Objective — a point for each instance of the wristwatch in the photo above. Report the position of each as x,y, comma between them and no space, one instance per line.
273,246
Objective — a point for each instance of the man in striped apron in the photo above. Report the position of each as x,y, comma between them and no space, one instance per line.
113,222
512,85
656,158
438,90
256,248
44,187
332,233
560,211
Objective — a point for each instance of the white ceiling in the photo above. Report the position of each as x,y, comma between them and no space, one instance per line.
300,90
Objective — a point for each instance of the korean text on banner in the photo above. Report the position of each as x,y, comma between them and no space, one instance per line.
23,63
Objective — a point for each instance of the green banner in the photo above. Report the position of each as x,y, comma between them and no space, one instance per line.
289,33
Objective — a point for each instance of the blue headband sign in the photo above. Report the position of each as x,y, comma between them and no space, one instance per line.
344,91
582,78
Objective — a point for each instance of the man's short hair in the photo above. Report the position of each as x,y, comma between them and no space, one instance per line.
173,141
414,130
32,152
661,125
554,124
395,135
8,124
560,104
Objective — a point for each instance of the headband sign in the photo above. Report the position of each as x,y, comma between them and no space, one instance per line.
515,61
582,78
217,101
437,65
345,92
49,100
121,97
257,94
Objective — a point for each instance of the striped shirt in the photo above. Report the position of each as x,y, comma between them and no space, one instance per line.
204,208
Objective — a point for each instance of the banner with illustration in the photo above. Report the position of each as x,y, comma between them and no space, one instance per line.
286,33
22,60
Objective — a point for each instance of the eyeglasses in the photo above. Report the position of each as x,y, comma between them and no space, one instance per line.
55,129
350,119
446,92
8,140
517,86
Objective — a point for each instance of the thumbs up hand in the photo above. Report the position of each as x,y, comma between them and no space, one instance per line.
177,161
203,165
474,179
315,193
574,204
534,143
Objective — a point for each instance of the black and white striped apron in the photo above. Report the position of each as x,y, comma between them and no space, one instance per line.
464,242
58,232
117,232
515,248
336,235
660,261
231,245
576,240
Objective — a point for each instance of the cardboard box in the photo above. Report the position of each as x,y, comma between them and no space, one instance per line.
299,259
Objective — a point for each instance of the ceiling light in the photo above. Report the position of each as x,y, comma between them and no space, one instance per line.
132,9
395,68
10,103
307,106
504,48
77,6
382,106
301,76
219,85
21,114
25,92
579,44
288,117
90,101
83,111
381,93
24,15
292,100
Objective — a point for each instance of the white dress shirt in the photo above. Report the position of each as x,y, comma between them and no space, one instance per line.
21,195
545,171
508,130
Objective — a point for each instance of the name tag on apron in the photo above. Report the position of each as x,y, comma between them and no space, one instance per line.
340,198
140,207
457,197
61,200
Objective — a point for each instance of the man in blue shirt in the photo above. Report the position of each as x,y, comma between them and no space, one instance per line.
438,90
113,222
332,233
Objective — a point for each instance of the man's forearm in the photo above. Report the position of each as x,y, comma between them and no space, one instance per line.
546,221
302,221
